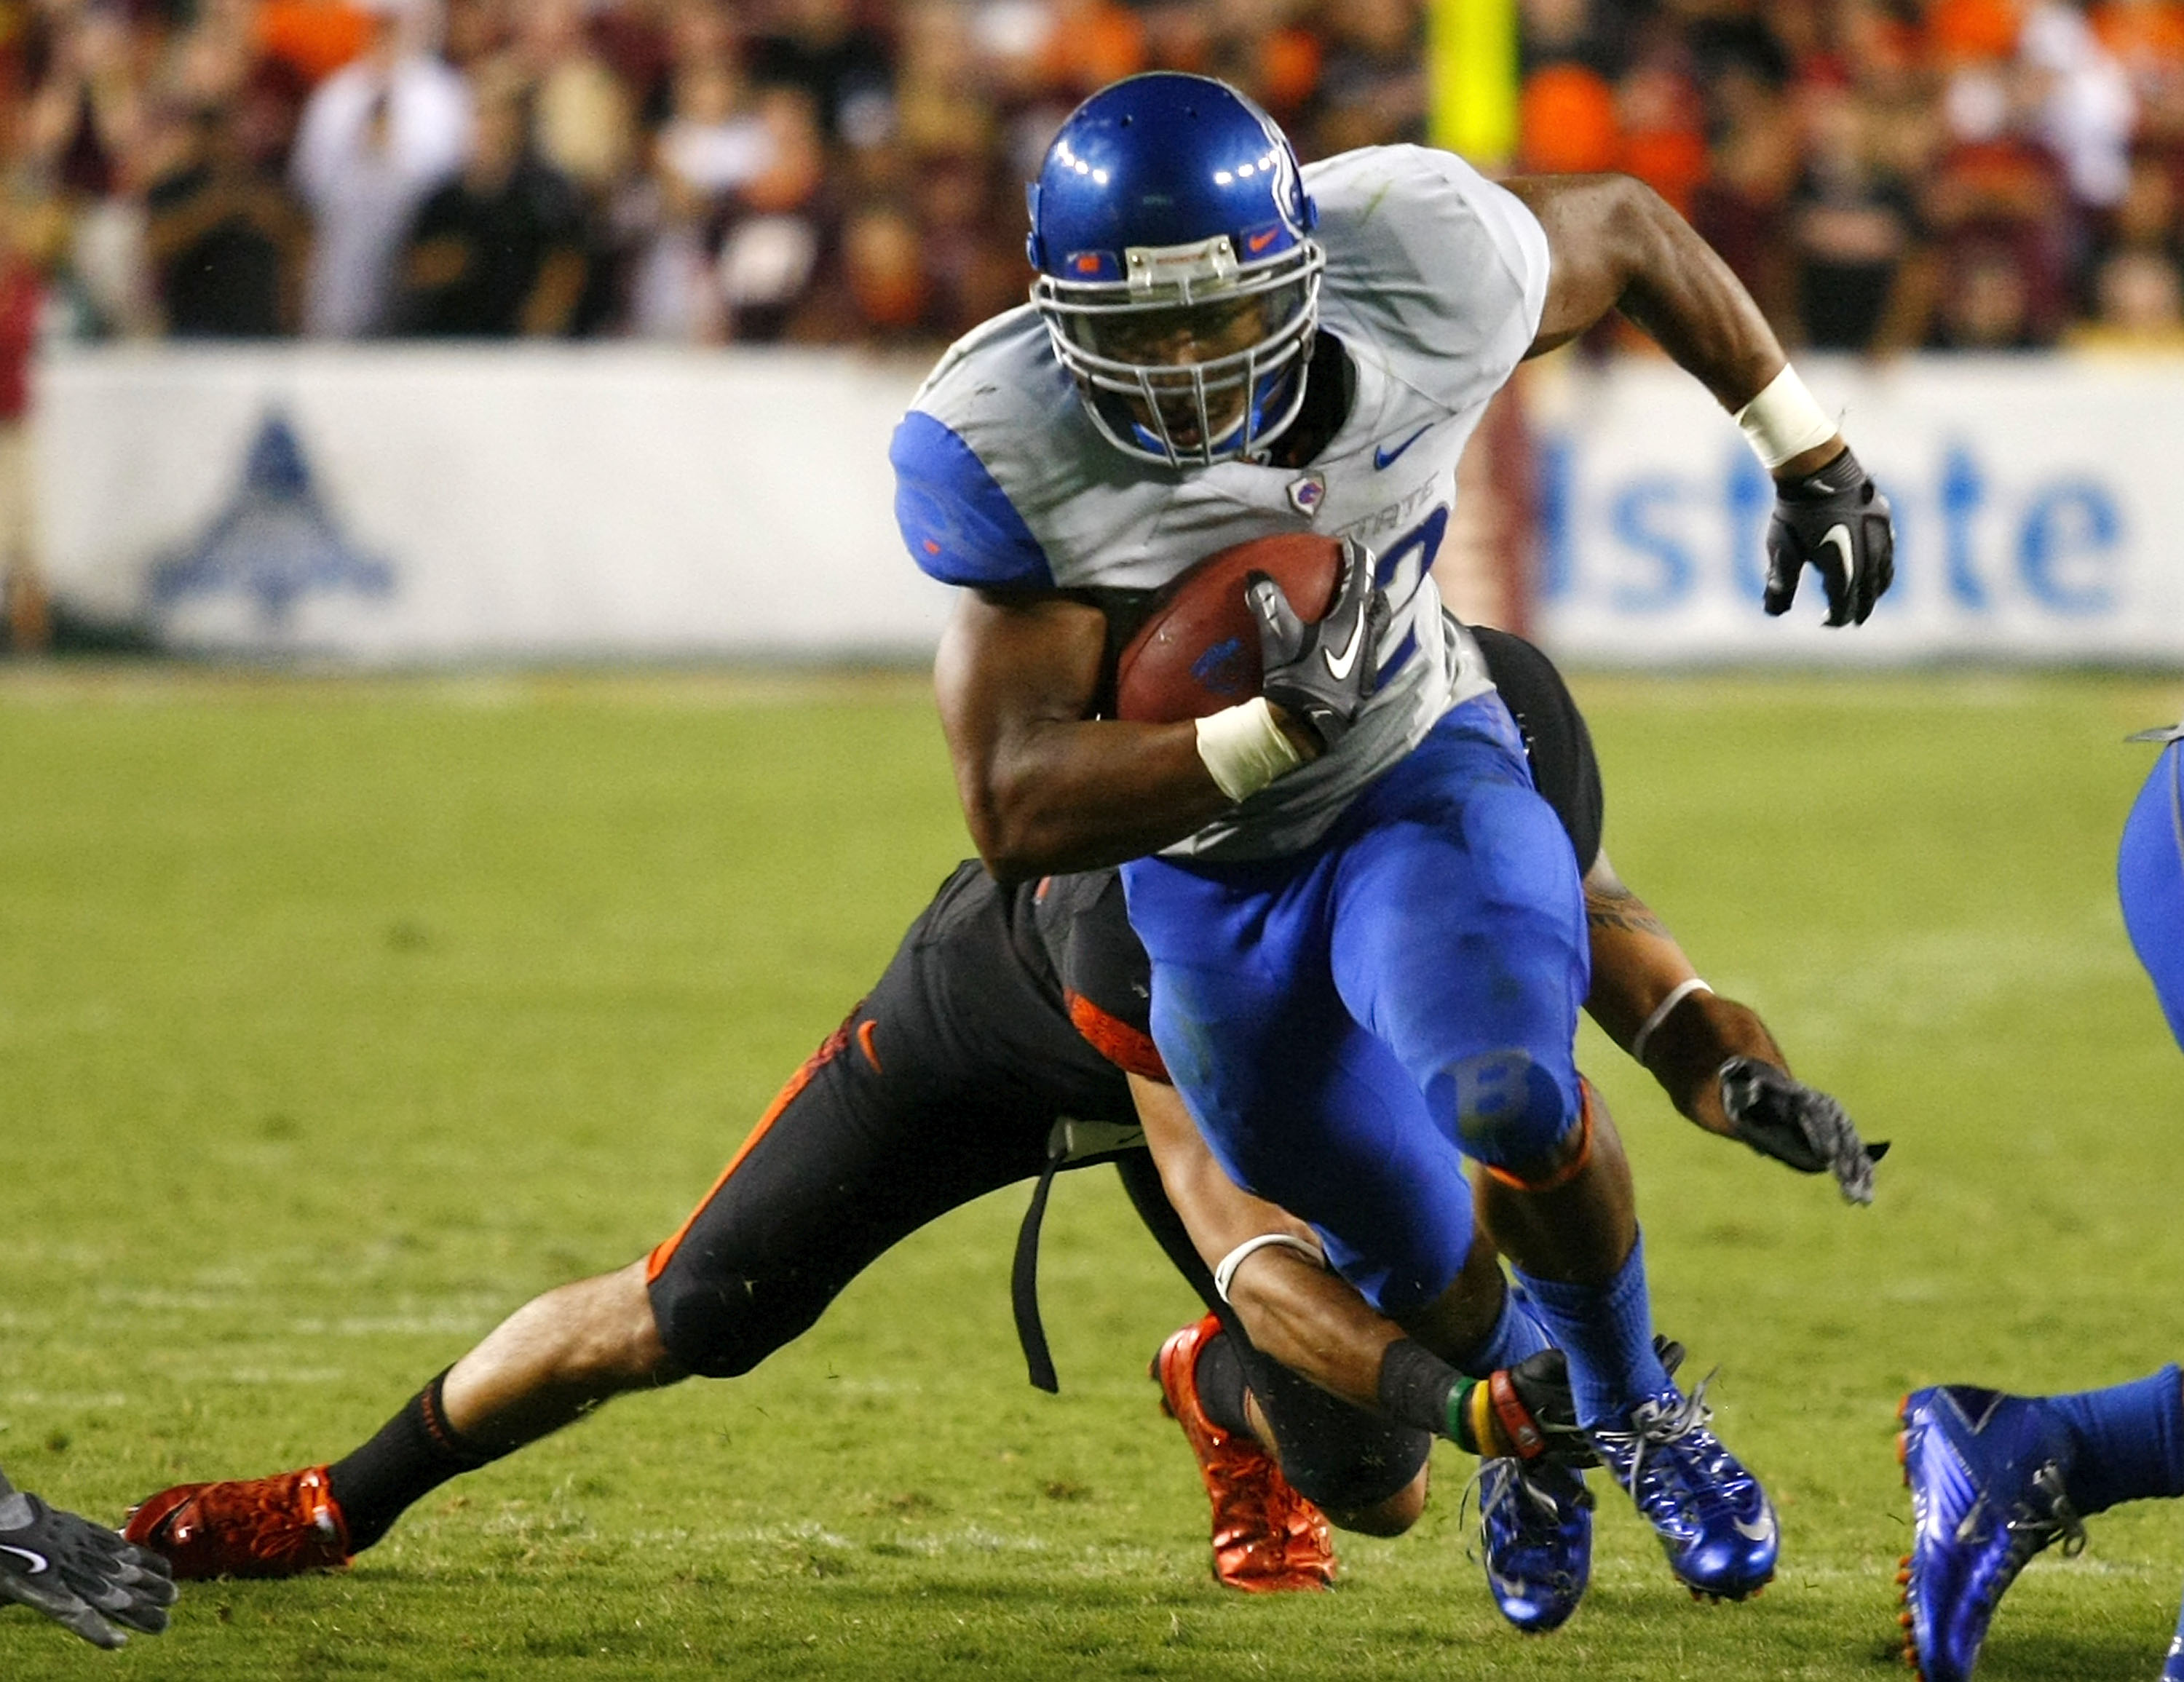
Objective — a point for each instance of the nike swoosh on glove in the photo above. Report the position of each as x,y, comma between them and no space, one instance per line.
1837,520
80,1575
1324,672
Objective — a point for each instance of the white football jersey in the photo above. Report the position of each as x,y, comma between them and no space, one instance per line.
1434,282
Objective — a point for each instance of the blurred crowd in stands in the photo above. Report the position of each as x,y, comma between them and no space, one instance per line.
1883,174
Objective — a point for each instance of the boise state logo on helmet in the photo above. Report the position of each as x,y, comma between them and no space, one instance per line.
1178,276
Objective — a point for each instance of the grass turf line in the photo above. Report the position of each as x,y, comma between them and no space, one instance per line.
336,1019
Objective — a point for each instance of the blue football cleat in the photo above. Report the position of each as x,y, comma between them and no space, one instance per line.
1714,1522
1986,1474
1535,1526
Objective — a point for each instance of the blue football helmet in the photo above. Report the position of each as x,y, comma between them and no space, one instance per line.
1177,275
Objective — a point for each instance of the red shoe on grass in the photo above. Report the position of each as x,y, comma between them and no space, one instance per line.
280,1526
1268,1538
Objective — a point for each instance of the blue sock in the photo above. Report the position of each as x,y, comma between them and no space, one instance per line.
1607,1332
2128,1441
1518,1334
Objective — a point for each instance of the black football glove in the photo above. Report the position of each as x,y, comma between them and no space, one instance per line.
1837,520
83,1577
1782,1118
1540,1387
1322,673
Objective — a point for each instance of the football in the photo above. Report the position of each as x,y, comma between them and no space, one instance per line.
1198,650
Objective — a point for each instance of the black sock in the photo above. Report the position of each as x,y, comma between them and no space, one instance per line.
1221,1384
1415,1388
415,1452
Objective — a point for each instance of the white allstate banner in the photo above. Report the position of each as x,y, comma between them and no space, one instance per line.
422,503
2039,504
413,504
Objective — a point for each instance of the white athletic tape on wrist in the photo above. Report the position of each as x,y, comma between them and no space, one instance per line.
1245,749
1661,1015
1784,421
1226,1272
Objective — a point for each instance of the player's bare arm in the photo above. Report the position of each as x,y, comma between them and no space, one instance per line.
1615,244
1640,976
1045,787
1713,1056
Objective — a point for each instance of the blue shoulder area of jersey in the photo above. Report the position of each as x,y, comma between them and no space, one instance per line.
960,525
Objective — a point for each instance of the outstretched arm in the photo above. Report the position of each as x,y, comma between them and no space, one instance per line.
1713,1056
1638,968
1614,244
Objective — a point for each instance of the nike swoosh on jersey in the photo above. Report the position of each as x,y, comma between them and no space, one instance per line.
1339,669
39,1562
1384,457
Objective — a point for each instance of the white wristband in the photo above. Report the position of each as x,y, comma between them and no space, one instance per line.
1245,749
1784,421
1225,1274
1661,1015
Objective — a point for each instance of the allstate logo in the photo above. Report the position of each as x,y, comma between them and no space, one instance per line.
275,543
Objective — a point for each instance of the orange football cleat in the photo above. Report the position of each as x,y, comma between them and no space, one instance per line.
1268,1538
280,1526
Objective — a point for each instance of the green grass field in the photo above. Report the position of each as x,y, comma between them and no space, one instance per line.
336,1019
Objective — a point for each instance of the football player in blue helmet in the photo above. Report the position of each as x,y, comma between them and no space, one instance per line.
1183,299
1995,1479
1366,933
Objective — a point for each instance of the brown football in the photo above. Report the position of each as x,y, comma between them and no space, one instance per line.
1198,649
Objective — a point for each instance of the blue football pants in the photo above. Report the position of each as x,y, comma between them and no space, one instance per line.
1347,1024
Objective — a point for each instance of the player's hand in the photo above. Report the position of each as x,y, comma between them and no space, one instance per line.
1540,1388
1322,674
1793,1123
1835,520
83,1577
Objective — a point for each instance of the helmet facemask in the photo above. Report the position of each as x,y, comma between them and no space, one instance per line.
1192,357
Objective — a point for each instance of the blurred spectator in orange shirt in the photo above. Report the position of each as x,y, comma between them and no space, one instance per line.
1566,122
1566,119
312,37
1961,32
1663,143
